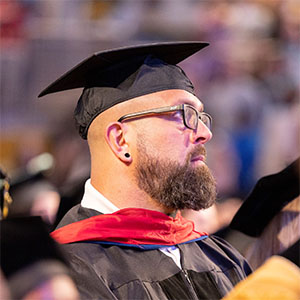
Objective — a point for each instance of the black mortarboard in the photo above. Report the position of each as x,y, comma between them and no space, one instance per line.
113,76
270,194
29,256
26,240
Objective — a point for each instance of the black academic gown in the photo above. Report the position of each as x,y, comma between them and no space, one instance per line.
210,268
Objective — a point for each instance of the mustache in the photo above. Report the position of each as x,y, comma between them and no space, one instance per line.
198,150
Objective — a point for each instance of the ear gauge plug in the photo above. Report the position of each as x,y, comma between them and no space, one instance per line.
127,155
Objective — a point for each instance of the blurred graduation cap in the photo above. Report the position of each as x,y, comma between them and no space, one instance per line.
29,256
27,182
25,240
270,194
113,76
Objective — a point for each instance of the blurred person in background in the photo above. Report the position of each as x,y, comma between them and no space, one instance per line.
282,233
35,196
33,192
32,266
271,214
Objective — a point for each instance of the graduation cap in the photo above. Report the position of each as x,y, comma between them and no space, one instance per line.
29,256
269,196
113,76
25,240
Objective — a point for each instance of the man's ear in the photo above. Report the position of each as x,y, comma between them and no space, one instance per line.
115,138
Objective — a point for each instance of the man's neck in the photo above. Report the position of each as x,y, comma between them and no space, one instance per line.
126,197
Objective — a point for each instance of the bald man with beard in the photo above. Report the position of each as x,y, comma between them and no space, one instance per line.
146,130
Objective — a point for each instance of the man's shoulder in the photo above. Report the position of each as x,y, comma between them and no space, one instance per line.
217,244
77,213
223,253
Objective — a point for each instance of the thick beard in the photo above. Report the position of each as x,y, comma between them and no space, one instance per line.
175,186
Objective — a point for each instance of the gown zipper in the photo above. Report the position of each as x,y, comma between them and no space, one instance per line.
186,278
189,284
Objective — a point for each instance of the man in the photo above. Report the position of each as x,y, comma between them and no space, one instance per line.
146,132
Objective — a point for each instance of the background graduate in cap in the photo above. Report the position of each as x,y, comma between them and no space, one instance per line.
271,214
32,264
146,131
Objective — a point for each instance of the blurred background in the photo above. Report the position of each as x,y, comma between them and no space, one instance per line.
248,79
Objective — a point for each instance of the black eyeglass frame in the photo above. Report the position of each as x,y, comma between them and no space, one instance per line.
166,109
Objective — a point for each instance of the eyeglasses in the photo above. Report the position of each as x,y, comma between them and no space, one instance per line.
189,113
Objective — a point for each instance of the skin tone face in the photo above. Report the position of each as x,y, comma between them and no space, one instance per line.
59,287
165,136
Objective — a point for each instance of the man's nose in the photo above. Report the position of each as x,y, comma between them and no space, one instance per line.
201,135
